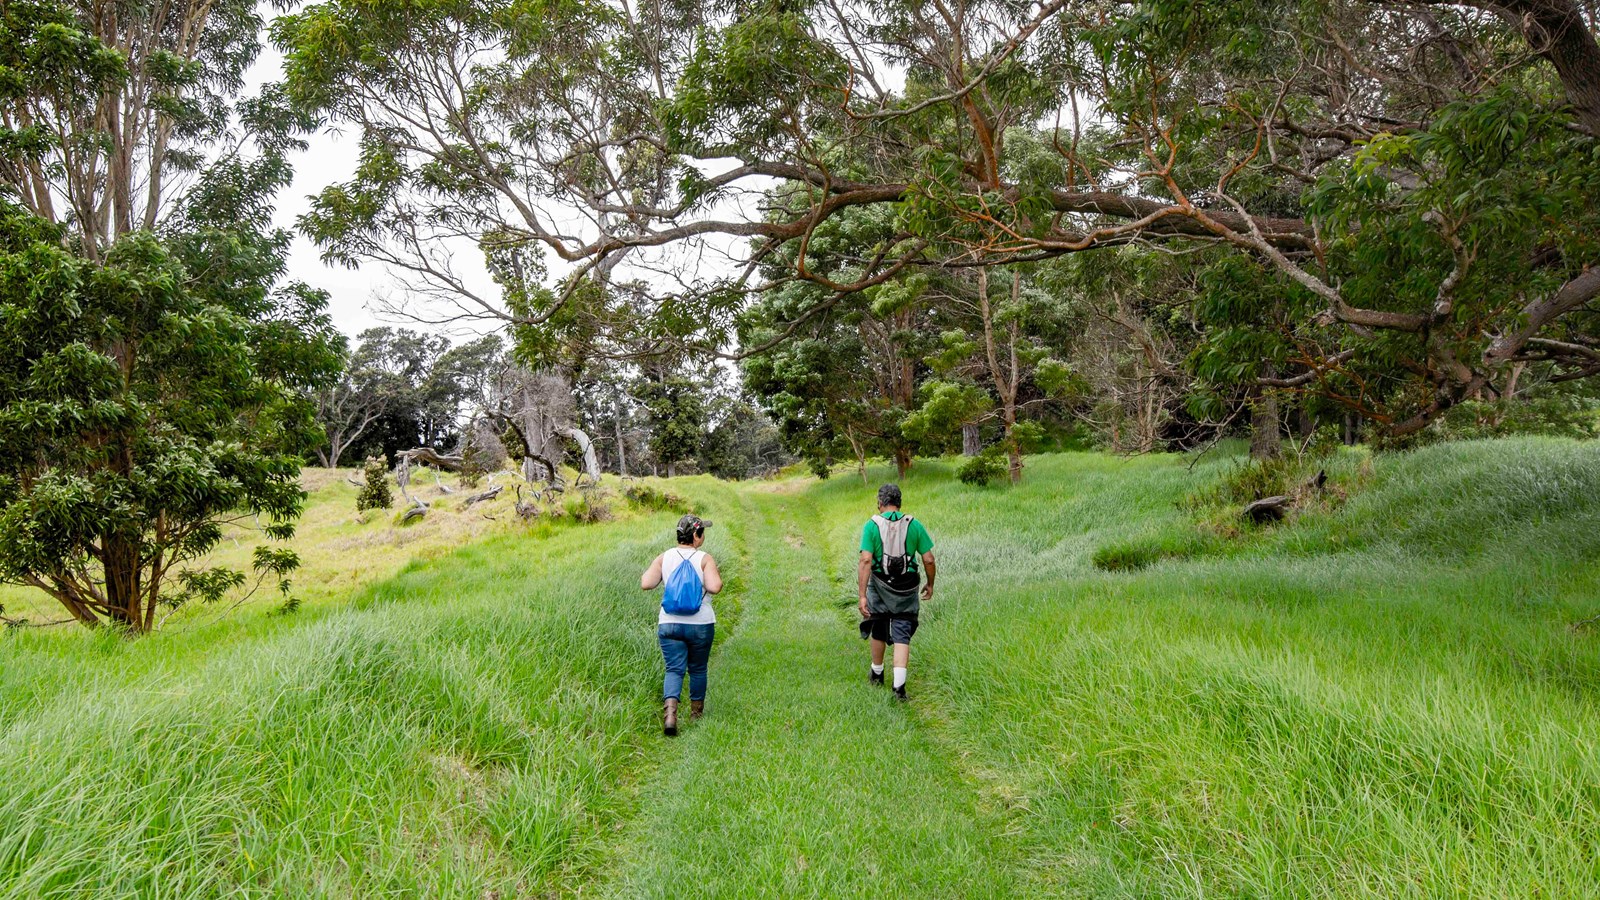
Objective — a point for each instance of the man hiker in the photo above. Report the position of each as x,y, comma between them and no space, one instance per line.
686,624
892,546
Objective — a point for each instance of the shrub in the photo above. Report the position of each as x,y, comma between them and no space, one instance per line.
587,507
644,496
981,469
375,494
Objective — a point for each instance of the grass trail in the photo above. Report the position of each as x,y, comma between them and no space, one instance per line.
803,780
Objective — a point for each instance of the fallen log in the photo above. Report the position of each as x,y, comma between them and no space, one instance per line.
481,496
1267,509
433,458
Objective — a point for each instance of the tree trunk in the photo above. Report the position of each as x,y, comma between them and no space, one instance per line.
902,462
1264,427
622,449
122,572
859,452
591,463
971,439
1013,451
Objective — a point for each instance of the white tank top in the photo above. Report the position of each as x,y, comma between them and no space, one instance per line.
670,561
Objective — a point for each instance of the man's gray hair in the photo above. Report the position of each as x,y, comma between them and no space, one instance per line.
889,495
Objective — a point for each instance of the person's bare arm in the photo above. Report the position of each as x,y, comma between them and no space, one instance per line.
929,566
862,577
712,577
651,579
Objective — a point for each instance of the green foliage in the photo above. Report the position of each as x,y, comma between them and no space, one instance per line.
982,469
945,407
138,412
743,443
375,493
677,409
752,82
1571,410
474,464
1291,474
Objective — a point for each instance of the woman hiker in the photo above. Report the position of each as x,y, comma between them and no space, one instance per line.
687,623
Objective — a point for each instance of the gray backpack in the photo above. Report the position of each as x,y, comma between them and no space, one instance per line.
896,561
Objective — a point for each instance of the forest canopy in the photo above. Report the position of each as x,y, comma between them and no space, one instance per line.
1380,208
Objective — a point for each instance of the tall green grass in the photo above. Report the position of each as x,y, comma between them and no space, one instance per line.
1386,700
463,729
1385,697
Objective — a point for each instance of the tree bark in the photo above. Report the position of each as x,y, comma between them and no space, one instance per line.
1006,378
121,566
622,449
971,439
1265,439
591,463
489,494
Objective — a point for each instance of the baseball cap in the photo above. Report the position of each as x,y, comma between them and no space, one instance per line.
689,524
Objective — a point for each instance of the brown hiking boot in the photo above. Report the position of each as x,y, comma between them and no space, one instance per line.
697,709
669,719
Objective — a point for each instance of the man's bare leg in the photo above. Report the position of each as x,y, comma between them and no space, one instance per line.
902,657
877,652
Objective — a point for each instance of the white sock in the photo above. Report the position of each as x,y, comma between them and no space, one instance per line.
877,668
899,676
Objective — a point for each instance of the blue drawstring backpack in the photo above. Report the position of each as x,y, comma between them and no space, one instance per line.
684,590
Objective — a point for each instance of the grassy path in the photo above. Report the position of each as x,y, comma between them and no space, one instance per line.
803,780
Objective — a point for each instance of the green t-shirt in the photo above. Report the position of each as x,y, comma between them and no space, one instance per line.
918,542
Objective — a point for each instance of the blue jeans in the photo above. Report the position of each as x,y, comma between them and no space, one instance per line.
685,648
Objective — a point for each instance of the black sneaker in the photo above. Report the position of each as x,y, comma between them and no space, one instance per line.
874,677
900,692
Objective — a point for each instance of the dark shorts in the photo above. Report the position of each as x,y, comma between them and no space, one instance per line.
891,628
